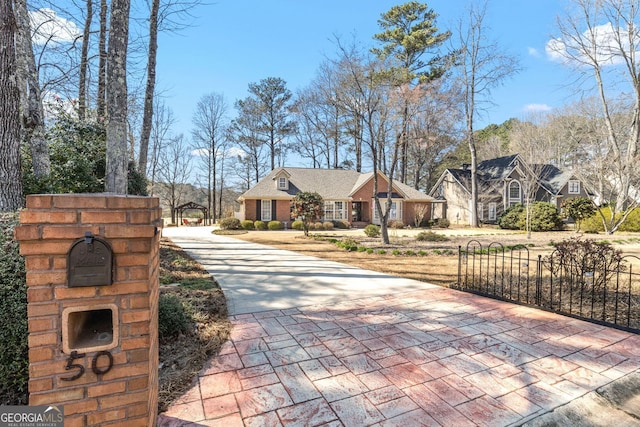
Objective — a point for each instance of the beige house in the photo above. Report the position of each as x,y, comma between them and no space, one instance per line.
502,182
348,195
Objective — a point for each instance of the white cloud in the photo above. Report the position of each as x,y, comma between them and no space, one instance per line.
603,37
533,52
536,108
231,153
49,27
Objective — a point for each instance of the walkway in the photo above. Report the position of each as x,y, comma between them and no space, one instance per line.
319,343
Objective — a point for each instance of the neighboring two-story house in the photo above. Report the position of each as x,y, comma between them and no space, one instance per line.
502,182
348,195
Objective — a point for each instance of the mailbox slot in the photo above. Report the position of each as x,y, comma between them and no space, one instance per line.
88,329
90,262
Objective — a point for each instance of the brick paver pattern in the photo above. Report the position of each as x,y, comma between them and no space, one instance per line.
437,357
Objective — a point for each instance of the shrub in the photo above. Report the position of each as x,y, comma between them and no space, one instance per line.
372,230
230,223
342,224
369,251
172,318
632,223
247,224
442,223
396,252
578,209
318,226
362,249
14,357
260,225
398,225
510,219
348,244
422,253
381,252
409,252
430,236
327,225
297,225
544,217
274,225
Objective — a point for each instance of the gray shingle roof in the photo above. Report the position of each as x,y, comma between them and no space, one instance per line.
331,184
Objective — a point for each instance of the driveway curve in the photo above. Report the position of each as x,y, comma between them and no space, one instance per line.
258,278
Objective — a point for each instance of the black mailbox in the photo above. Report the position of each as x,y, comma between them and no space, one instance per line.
90,262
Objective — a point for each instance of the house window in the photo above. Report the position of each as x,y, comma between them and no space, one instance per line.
282,183
395,213
480,211
265,214
334,210
514,193
574,186
492,211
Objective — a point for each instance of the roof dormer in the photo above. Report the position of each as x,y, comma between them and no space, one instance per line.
281,180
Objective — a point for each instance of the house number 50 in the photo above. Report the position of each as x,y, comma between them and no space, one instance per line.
94,364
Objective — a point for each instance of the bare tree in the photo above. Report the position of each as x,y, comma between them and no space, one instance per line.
162,122
175,166
244,131
31,98
10,179
84,62
117,155
102,64
482,65
210,139
599,40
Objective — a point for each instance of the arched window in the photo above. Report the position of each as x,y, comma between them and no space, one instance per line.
514,193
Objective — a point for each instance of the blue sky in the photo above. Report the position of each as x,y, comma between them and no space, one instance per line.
236,42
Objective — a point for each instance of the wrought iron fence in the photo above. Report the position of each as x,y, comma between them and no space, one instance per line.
590,287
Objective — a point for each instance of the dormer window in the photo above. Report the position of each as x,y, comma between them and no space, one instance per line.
283,183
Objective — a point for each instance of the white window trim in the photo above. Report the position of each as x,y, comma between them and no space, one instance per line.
480,211
397,210
282,183
265,214
492,211
336,214
575,182
512,200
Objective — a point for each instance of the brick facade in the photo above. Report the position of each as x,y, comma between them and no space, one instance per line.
127,394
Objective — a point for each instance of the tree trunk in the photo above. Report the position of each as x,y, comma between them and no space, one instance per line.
117,154
84,63
102,66
151,87
32,109
10,179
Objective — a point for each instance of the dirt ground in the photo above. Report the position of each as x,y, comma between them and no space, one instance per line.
439,265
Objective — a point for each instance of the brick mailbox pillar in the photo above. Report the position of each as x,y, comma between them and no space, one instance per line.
92,290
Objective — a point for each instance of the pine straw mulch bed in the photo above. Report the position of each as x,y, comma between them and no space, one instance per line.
181,358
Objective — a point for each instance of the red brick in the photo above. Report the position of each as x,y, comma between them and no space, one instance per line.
60,262
127,260
46,277
140,328
123,399
37,340
138,383
119,246
38,263
76,201
56,397
124,288
140,245
79,292
141,355
128,371
131,422
131,231
141,301
75,421
37,247
136,410
42,324
103,217
134,343
133,316
67,232
37,310
41,384
29,216
140,217
101,417
39,294
105,389
131,202
39,201
82,407
47,368
27,232
138,273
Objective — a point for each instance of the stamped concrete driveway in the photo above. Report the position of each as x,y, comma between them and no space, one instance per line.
320,343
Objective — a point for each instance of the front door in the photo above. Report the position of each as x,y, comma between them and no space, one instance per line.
356,212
